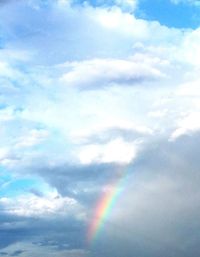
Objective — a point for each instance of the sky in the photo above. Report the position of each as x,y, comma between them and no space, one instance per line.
99,128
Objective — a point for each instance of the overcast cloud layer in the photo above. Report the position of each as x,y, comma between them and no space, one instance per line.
91,92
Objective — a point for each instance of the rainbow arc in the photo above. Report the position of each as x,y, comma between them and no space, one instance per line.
104,207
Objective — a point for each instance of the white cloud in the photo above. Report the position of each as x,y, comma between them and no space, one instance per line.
189,49
101,72
4,153
94,32
34,137
128,5
83,135
35,206
187,125
190,89
6,114
116,151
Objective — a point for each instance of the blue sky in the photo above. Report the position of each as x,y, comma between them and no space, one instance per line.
183,15
178,14
92,92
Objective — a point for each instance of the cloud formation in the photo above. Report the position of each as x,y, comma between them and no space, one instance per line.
90,95
104,72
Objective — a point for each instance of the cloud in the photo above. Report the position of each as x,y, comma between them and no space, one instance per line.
34,233
187,125
101,73
114,151
158,207
129,5
87,32
125,5
83,182
34,137
17,253
37,206
103,134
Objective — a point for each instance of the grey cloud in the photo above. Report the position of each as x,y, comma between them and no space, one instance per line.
58,233
82,182
157,214
17,253
98,73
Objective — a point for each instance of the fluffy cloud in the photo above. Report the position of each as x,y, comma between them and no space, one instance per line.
35,206
114,151
129,5
92,25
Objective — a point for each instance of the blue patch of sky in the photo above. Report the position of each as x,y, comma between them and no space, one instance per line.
1,42
2,36
11,186
181,15
3,106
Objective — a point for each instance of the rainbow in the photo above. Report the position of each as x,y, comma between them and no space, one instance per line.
103,208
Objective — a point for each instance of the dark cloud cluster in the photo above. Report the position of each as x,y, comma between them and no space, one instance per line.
82,182
157,214
56,233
